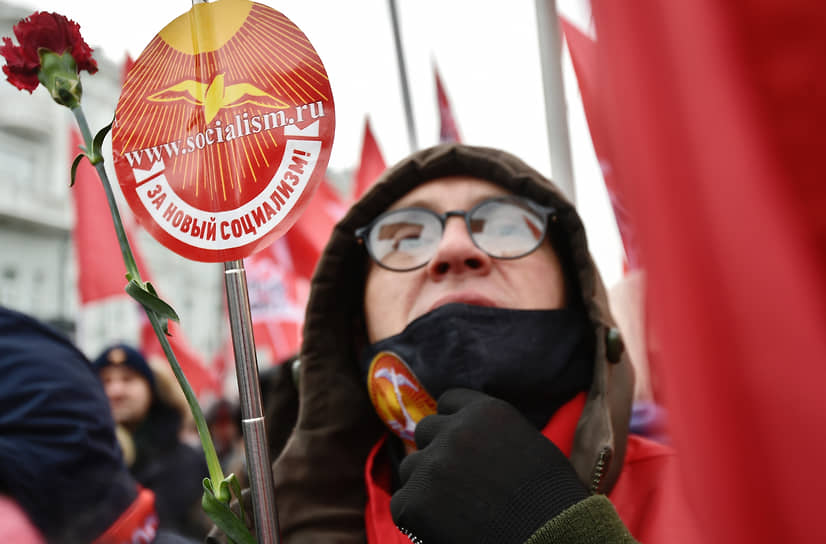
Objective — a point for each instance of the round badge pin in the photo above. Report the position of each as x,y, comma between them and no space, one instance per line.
400,400
223,130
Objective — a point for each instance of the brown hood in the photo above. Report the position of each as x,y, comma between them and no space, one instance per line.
320,475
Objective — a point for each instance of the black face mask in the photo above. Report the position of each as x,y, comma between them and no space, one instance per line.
536,360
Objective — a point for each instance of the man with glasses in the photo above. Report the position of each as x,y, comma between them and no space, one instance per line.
462,379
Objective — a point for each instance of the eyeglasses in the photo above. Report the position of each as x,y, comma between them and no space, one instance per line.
408,238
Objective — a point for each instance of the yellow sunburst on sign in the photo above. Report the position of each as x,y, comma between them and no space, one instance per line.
223,129
206,27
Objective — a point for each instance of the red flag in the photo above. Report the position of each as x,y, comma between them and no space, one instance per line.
583,51
448,131
716,129
278,277
203,380
128,62
309,235
371,165
100,268
277,296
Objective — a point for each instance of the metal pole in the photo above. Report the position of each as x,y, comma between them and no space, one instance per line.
556,111
408,108
255,433
253,427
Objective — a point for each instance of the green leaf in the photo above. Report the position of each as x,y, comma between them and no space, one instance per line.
75,164
224,517
224,494
148,298
164,319
100,136
97,144
236,489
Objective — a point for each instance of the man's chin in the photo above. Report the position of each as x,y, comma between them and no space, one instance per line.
124,419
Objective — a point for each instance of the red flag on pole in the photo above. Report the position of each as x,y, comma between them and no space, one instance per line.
128,62
278,277
583,51
371,165
277,296
307,238
100,269
448,131
716,131
203,380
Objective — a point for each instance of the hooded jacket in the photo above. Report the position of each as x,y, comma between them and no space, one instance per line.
320,475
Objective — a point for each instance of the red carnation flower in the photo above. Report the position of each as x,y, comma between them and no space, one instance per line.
42,30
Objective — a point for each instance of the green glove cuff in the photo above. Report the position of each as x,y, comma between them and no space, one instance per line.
591,521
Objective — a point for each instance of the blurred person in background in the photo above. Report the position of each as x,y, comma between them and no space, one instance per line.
61,467
146,403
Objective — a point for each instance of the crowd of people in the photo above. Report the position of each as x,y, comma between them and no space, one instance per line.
461,379
63,474
99,451
466,384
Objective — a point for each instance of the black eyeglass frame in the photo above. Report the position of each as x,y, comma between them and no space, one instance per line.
547,213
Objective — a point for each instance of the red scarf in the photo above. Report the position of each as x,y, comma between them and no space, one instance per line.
138,523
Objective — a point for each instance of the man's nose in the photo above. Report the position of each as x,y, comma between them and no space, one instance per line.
457,253
113,388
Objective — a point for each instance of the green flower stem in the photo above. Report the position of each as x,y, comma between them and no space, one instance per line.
80,117
215,472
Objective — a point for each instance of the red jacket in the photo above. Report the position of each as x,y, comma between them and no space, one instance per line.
647,495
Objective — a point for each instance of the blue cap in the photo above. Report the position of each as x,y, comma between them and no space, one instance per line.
122,354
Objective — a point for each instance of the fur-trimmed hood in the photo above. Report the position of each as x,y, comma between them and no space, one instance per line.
320,474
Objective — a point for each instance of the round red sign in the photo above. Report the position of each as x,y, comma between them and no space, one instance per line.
223,130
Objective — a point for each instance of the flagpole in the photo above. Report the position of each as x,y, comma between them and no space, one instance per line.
408,109
252,414
556,110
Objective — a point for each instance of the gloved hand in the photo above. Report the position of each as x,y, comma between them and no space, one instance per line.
482,474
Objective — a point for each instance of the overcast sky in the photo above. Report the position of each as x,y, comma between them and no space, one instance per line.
486,51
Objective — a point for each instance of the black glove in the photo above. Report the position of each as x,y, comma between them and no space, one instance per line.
482,474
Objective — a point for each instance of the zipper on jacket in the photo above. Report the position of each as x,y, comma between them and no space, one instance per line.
600,468
409,534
